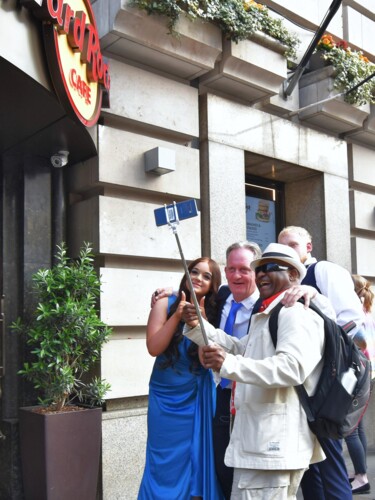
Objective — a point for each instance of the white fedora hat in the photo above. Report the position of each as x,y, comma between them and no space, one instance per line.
275,252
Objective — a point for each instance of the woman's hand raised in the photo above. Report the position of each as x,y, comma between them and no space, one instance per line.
181,305
190,316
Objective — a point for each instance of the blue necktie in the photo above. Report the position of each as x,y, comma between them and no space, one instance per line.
228,328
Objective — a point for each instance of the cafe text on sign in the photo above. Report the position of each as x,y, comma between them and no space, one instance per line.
79,72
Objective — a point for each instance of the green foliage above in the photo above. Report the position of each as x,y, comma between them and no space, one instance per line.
65,333
237,19
351,67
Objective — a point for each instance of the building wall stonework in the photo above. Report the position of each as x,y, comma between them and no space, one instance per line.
153,101
309,215
124,440
253,130
225,189
362,203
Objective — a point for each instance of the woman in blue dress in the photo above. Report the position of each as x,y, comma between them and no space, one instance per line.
179,454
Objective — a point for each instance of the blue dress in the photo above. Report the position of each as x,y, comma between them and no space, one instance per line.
179,453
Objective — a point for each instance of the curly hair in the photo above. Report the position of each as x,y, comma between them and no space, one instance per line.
171,353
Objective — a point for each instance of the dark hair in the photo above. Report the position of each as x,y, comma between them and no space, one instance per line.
171,353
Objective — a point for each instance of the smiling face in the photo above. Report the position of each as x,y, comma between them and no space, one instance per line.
271,283
240,277
201,277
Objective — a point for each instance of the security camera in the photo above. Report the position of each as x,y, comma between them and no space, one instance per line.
60,159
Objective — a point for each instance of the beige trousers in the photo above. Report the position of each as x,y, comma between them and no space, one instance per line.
250,484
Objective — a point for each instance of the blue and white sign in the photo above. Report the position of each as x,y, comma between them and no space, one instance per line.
260,221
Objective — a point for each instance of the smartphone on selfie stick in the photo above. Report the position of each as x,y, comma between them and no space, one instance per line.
171,215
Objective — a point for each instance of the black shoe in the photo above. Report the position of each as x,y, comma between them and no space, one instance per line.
365,488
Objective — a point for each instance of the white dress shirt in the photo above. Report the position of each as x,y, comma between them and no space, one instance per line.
241,324
336,283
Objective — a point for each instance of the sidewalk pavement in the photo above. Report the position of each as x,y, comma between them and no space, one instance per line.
370,475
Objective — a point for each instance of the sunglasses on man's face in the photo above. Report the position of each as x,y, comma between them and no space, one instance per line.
270,267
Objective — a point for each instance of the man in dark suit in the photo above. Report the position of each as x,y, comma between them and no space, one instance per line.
241,289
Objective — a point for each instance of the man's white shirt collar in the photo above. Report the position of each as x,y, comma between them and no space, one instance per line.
249,302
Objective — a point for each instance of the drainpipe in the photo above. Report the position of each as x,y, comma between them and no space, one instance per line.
59,160
290,83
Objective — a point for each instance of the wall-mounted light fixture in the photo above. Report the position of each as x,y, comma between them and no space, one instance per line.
160,161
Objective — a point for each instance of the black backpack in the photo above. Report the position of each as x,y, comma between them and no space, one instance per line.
332,412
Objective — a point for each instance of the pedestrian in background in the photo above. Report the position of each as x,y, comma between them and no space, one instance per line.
356,442
366,295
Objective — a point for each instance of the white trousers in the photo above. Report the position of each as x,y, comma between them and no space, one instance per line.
250,484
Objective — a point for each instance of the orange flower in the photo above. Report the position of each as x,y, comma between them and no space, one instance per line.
327,40
251,3
364,58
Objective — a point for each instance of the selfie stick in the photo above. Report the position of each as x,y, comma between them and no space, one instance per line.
173,223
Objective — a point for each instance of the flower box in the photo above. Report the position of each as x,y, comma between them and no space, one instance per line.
144,39
251,70
334,115
316,61
352,68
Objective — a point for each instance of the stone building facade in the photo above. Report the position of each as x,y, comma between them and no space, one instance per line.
218,107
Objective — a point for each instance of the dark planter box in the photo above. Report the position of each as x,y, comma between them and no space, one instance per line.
60,454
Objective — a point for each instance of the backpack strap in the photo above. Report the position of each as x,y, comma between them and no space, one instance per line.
273,322
348,326
300,389
274,318
305,402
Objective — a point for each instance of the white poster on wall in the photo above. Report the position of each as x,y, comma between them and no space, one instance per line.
260,221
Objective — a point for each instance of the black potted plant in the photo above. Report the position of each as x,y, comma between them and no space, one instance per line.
60,437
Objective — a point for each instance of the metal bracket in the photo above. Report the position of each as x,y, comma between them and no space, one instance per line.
290,83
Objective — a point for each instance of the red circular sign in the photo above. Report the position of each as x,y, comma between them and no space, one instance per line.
78,70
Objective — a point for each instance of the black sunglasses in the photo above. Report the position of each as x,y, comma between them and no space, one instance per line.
270,267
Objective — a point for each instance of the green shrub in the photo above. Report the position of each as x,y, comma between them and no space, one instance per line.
65,333
237,19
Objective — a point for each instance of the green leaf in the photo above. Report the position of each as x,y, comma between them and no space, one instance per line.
237,19
65,334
